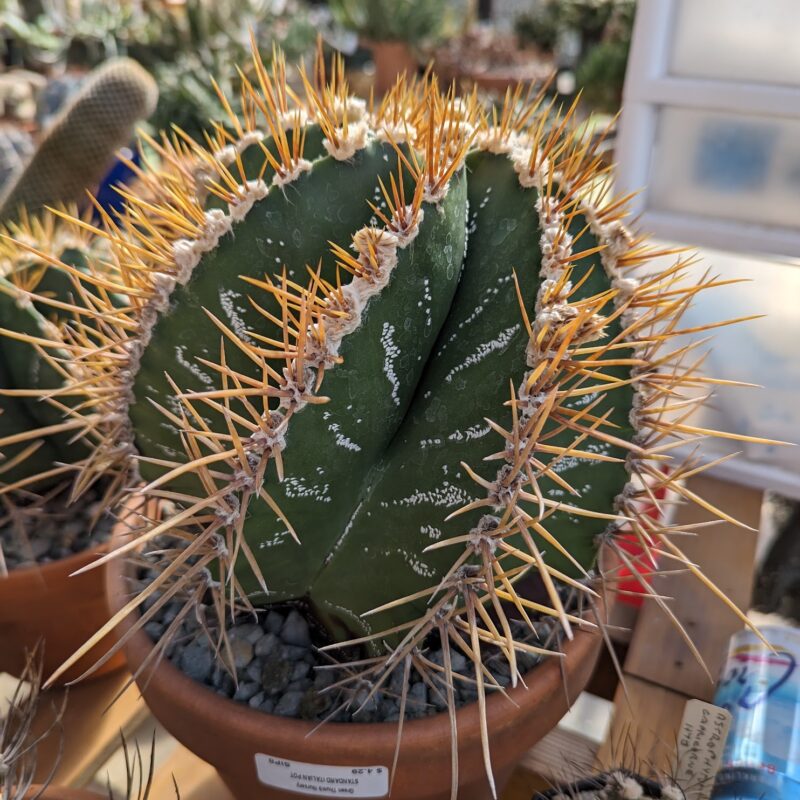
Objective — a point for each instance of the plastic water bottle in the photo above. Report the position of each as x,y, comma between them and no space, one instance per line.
761,689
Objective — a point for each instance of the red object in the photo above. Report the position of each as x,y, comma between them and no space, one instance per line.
629,542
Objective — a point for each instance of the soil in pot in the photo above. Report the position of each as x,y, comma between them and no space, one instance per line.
42,544
281,670
261,755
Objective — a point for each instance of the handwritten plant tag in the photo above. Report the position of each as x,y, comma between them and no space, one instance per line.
701,740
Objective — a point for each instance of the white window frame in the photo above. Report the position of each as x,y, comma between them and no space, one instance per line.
649,86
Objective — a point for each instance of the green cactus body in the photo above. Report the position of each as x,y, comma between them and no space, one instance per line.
481,349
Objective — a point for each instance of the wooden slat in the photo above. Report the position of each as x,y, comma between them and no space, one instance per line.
726,553
561,756
91,730
644,730
196,779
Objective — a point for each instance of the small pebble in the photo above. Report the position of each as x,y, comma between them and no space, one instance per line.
323,678
246,691
266,644
242,651
301,669
289,704
273,622
256,700
292,653
250,632
295,630
276,675
154,630
197,661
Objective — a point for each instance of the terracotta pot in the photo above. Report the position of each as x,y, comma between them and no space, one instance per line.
60,793
391,60
45,603
233,737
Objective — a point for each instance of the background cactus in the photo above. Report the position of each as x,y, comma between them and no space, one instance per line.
394,359
80,145
38,441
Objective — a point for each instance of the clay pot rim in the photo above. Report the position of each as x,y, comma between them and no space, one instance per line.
500,709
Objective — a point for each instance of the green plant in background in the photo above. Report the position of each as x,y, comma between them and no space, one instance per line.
412,21
392,361
601,75
605,28
180,44
39,441
81,143
211,38
83,33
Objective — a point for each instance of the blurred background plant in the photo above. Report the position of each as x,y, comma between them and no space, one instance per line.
49,46
180,43
589,39
412,21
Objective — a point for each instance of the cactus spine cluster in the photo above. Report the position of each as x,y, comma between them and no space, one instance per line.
388,358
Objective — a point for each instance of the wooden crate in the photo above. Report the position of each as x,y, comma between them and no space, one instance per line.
659,674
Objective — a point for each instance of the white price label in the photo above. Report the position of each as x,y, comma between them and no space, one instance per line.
321,780
701,740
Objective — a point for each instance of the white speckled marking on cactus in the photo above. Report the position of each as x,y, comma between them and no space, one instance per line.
227,299
477,431
484,350
341,440
444,496
431,531
296,486
192,366
418,566
392,352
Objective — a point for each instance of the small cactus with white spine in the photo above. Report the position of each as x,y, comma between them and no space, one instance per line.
385,358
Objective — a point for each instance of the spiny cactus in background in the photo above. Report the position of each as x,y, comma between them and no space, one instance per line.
38,439
388,359
618,784
18,741
80,146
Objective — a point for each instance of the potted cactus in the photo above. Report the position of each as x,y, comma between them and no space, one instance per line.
387,383
391,29
43,537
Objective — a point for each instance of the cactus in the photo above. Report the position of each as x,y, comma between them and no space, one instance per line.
389,359
80,146
18,741
617,784
38,443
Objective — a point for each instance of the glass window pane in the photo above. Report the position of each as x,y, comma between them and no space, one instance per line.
737,40
727,166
